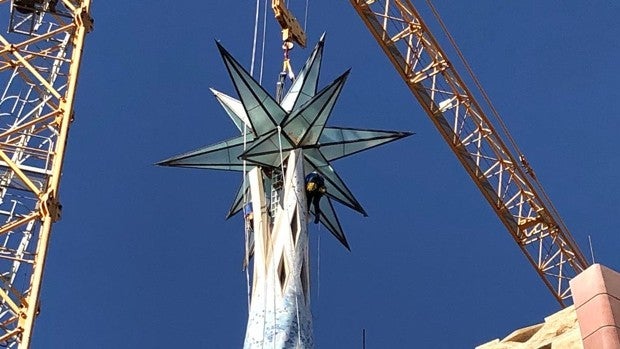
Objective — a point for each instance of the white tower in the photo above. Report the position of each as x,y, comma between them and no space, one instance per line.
280,302
281,143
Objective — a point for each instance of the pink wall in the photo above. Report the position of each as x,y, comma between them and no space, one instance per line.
596,296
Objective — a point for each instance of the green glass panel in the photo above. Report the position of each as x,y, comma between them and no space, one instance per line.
237,204
305,125
336,143
305,85
329,219
266,150
234,109
262,110
220,156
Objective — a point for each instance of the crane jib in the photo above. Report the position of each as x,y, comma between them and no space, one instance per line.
506,183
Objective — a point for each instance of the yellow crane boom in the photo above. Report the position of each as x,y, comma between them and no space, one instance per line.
39,67
505,180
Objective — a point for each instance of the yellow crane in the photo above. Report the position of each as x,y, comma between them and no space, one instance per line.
291,29
501,172
39,63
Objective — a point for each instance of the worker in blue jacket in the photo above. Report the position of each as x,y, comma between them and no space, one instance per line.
315,188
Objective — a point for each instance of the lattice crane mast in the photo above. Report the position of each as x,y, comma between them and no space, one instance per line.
39,65
506,180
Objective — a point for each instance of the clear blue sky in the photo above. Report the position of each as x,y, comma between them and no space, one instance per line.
143,257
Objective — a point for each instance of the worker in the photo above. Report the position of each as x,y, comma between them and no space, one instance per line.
315,188
248,214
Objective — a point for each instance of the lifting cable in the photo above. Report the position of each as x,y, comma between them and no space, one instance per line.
545,198
255,40
281,154
306,16
262,58
246,224
247,228
255,37
318,265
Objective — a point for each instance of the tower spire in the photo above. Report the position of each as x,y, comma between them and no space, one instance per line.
287,140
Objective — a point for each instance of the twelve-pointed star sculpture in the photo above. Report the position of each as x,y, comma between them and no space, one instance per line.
272,129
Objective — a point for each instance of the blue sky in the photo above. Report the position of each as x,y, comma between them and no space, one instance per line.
143,257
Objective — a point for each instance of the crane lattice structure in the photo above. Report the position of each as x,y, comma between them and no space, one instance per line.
505,179
39,64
